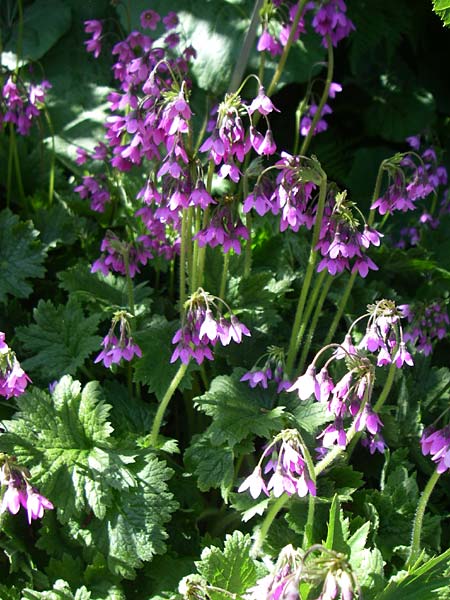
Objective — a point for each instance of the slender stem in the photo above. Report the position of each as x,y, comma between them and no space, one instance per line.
386,388
17,166
183,259
241,63
223,281
340,309
195,270
351,281
130,287
248,245
323,99
51,178
309,527
293,346
315,320
189,253
268,520
283,57
418,519
165,402
310,305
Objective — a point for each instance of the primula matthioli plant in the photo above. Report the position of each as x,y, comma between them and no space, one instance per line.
224,268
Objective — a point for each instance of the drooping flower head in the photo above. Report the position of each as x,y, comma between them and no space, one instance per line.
117,348
284,458
19,492
203,325
13,379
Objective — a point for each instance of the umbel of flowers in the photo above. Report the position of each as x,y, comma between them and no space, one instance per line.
285,459
328,573
18,491
350,395
203,326
116,349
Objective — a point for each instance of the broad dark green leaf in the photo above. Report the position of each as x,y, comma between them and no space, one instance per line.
44,23
231,569
212,465
60,340
237,410
154,369
21,256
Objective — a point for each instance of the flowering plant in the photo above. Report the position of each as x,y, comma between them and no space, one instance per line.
224,284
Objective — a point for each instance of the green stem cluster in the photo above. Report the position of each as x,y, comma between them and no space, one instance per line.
294,342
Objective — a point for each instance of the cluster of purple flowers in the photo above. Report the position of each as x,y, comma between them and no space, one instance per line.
231,141
285,460
94,189
342,243
437,444
312,108
293,196
21,103
412,177
329,20
13,379
202,329
119,256
124,347
19,493
427,323
282,582
272,369
350,396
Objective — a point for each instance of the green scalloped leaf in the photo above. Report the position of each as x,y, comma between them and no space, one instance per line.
21,256
60,340
231,569
442,9
238,411
65,439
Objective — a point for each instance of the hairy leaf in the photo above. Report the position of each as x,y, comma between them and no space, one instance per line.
103,292
231,569
442,9
61,339
21,256
154,369
212,465
132,529
237,410
65,438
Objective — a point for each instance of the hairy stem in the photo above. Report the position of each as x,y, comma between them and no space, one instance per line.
340,308
293,345
315,319
223,281
165,402
418,519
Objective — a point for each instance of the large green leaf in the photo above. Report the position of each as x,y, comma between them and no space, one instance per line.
420,582
65,438
44,23
60,340
237,410
21,256
212,465
231,569
154,369
103,292
132,529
